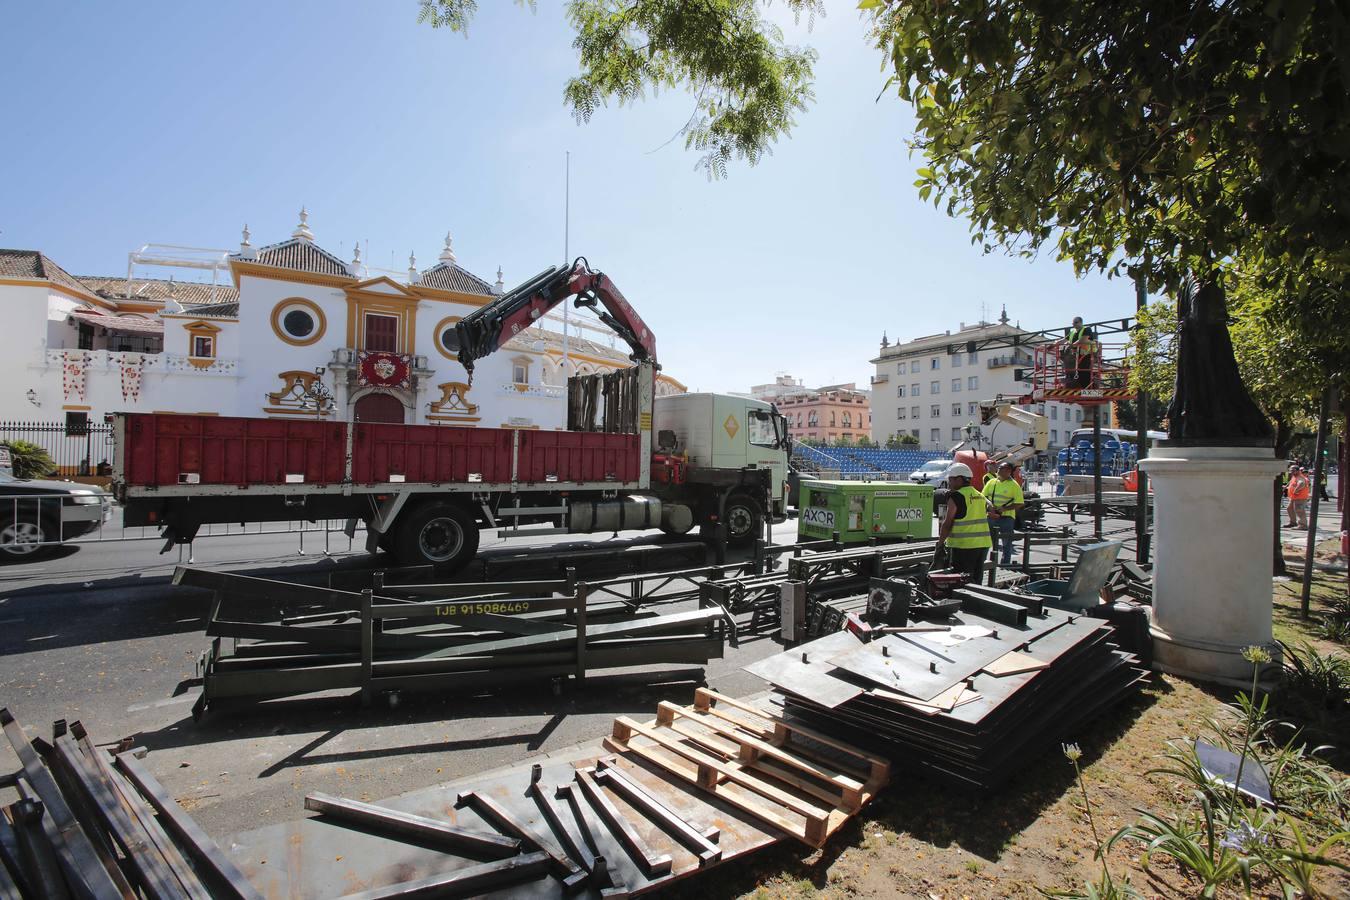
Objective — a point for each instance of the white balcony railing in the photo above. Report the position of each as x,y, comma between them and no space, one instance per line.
546,391
163,363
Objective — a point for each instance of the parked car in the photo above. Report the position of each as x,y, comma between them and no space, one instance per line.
36,514
934,470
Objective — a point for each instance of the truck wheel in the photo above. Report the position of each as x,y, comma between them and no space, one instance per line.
441,534
23,538
744,518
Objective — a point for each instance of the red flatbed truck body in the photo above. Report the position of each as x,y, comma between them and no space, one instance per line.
165,455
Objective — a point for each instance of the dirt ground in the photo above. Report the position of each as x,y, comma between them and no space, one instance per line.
923,841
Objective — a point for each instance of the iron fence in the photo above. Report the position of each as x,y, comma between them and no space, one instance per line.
78,447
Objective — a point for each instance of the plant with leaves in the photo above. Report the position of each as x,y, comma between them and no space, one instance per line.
28,460
1104,887
747,82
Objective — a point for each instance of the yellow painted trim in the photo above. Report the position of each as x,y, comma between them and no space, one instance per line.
239,267
143,306
403,309
616,364
453,420
444,295
188,315
72,407
277,411
677,383
320,321
202,362
60,289
436,337
363,287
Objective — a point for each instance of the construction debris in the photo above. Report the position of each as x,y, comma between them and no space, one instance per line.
93,825
970,705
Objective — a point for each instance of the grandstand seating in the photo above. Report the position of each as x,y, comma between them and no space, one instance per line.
860,463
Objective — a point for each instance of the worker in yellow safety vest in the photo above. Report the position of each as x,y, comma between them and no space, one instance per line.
1080,348
964,531
1004,496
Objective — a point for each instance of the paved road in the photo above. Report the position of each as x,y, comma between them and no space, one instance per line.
98,634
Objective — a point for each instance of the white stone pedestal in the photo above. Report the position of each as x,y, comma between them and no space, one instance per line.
1212,548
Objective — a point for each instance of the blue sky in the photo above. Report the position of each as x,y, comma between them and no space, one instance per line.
178,122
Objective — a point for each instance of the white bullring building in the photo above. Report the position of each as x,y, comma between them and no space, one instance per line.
293,330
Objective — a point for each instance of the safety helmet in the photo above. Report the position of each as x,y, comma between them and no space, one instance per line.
960,469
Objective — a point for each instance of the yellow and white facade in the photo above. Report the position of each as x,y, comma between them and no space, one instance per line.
285,338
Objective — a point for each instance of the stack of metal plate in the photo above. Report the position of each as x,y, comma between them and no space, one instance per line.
970,705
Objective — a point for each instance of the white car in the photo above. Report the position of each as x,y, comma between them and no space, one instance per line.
933,470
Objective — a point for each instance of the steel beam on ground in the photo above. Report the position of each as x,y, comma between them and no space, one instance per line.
571,875
441,834
199,846
470,882
84,871
702,844
653,865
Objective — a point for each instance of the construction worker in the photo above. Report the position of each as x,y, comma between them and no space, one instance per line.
1299,491
964,531
1080,346
1004,498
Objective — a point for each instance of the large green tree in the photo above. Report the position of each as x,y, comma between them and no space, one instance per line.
1157,139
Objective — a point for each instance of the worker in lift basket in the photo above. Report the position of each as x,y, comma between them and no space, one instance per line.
1004,496
1080,346
965,527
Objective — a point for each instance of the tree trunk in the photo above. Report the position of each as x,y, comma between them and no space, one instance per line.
1284,436
1210,405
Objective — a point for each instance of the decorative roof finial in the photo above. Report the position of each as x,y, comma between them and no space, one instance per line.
246,250
355,267
302,231
1003,319
413,277
884,341
500,286
448,254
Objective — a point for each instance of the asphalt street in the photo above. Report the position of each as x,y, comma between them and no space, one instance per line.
97,633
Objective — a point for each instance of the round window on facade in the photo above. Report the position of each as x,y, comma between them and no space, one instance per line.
298,321
447,340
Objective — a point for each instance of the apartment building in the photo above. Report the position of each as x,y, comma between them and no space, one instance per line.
829,413
930,388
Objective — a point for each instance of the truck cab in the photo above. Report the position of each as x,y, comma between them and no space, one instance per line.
736,451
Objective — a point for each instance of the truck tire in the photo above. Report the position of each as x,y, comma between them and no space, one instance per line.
439,534
744,518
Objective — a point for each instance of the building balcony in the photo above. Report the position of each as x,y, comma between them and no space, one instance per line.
880,379
999,362
161,363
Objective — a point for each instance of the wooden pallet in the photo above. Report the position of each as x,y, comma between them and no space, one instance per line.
800,782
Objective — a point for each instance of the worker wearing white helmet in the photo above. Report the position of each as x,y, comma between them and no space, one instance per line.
965,527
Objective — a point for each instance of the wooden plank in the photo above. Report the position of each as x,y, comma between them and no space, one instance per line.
652,864
849,788
710,768
1014,663
682,768
421,828
199,846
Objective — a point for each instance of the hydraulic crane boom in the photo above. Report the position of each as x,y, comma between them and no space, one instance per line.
1035,425
486,329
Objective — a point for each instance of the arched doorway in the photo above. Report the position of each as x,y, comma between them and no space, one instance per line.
379,407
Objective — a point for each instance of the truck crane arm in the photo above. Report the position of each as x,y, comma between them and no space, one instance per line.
486,329
1036,426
